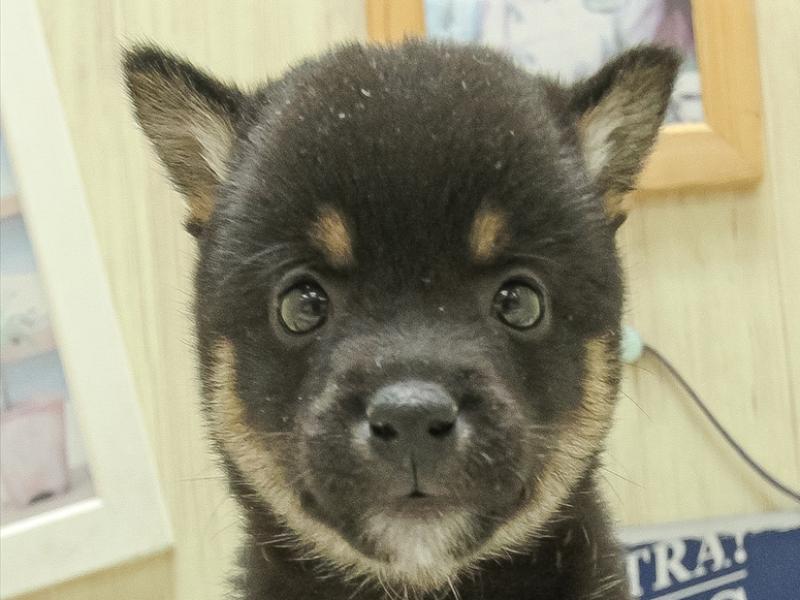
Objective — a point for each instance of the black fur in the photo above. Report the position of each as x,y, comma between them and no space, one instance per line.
407,145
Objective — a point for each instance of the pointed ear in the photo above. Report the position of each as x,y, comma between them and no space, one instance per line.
619,111
190,118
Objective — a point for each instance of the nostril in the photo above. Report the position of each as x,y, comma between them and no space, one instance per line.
440,429
383,431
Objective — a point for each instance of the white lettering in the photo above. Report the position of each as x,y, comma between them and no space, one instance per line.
634,576
710,550
668,556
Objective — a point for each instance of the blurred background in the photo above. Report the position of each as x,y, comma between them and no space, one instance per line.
714,279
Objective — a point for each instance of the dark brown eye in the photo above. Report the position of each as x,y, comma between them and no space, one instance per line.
304,307
518,305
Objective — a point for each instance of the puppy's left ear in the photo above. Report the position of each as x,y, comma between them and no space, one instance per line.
190,118
619,111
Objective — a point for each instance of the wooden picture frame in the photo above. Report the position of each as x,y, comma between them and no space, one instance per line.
124,517
726,149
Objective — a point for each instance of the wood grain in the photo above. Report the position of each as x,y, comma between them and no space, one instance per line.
714,282
148,255
727,149
390,21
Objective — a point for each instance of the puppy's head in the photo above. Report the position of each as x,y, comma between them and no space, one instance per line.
408,295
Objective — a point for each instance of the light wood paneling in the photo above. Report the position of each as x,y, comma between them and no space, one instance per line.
138,222
714,282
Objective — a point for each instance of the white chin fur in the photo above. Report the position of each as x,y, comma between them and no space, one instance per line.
416,545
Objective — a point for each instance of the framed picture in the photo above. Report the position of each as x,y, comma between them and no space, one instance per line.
713,133
78,487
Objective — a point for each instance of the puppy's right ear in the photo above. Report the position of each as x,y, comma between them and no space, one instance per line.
190,118
618,112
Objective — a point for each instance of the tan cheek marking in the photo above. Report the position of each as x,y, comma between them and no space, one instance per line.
329,233
249,452
488,234
231,430
577,442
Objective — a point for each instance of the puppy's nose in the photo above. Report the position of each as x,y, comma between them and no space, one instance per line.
411,415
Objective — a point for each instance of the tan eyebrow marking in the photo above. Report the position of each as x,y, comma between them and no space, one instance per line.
488,234
329,233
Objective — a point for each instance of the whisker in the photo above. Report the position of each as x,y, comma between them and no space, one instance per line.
607,470
643,411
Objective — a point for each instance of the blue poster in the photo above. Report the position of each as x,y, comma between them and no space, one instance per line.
751,558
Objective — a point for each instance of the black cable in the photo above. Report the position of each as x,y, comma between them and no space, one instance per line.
762,472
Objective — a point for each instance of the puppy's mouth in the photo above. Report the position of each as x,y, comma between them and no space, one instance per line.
421,525
421,500
416,504
419,504
410,472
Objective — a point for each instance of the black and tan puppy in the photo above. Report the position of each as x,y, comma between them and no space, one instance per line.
408,308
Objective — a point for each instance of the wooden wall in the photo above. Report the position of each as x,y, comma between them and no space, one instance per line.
714,282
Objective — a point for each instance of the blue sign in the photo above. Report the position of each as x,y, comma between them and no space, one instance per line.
753,558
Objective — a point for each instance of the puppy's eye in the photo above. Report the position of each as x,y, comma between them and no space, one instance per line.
518,305
304,307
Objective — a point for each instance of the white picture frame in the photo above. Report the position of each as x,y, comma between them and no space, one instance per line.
126,518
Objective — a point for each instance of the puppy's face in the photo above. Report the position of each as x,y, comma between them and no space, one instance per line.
408,295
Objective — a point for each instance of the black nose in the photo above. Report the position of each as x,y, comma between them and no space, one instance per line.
412,415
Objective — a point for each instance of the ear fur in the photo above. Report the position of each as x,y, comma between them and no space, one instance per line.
190,118
619,111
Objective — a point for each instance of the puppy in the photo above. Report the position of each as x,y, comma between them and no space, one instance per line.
408,308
